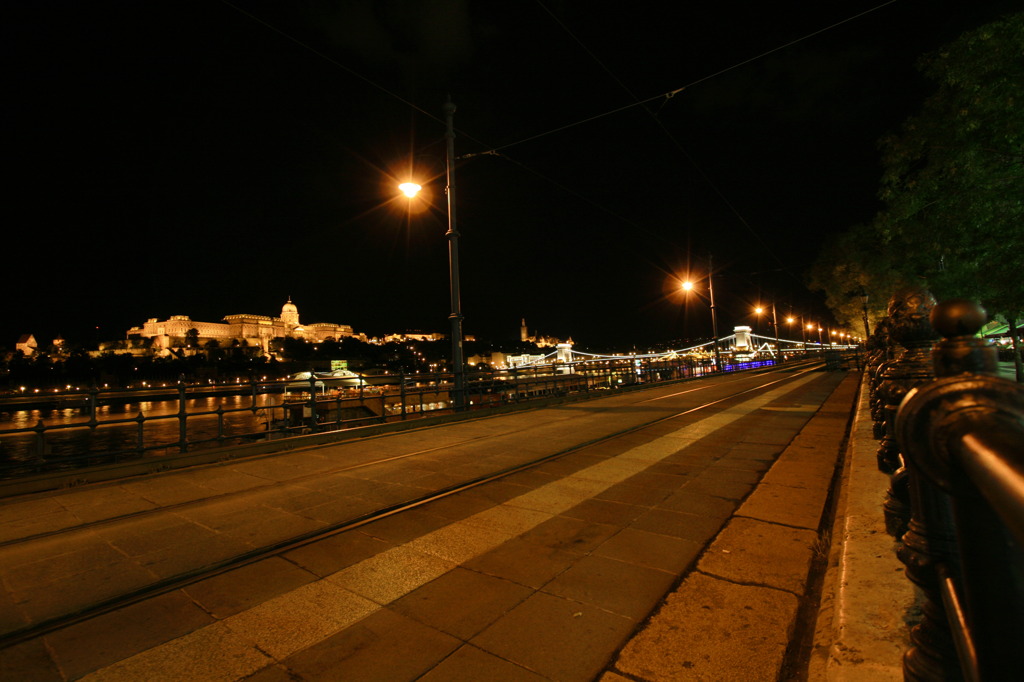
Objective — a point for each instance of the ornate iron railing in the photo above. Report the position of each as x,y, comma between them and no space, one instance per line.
961,440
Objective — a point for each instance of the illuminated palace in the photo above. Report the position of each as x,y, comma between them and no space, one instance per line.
255,330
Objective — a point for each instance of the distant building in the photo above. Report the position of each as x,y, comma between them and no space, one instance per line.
413,336
255,330
538,340
26,344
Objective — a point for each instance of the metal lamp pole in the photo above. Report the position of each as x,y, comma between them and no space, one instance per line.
458,366
714,318
775,323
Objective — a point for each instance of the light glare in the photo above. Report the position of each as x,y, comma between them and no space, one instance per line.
409,189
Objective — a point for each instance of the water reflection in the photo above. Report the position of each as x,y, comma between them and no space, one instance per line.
161,428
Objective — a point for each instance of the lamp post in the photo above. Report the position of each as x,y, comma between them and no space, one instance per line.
410,189
803,330
458,365
775,324
687,286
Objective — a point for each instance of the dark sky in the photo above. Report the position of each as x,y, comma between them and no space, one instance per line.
206,158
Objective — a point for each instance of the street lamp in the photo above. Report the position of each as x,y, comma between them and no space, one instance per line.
688,286
410,189
775,323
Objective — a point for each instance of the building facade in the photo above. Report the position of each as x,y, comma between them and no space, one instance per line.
255,330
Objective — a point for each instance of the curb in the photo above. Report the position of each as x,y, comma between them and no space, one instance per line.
868,604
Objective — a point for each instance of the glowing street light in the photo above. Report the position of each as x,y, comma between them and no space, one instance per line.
410,189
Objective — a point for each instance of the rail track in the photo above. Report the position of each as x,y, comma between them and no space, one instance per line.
735,388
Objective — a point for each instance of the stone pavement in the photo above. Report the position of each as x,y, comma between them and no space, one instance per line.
543,575
734,617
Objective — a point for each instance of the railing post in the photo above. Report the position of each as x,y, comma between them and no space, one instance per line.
909,328
401,394
92,402
40,430
140,435
182,419
312,400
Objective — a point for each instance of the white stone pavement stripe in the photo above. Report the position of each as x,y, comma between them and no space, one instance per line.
243,643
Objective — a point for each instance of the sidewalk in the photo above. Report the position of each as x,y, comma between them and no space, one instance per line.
868,605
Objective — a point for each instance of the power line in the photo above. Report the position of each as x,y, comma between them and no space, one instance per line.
672,93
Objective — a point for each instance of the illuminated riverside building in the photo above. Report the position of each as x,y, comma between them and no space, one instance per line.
255,330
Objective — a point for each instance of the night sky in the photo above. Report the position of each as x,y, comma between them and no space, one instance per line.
207,158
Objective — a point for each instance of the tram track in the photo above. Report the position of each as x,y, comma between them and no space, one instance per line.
226,565
298,480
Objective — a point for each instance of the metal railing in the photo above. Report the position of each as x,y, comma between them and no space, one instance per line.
161,421
961,437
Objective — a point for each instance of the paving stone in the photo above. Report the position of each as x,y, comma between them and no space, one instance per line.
570,535
165,490
661,552
470,663
725,489
272,673
701,504
105,503
461,602
628,492
300,618
800,507
211,654
296,500
30,517
399,528
53,560
174,560
557,638
523,562
712,629
389,575
604,511
692,527
335,509
227,594
754,552
111,637
83,590
223,479
152,534
384,646
331,554
29,662
630,590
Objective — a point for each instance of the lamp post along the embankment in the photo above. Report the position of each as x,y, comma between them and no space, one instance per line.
458,365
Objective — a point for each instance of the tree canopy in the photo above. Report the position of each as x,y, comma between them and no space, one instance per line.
952,186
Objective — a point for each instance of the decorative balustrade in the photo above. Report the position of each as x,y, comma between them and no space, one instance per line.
961,438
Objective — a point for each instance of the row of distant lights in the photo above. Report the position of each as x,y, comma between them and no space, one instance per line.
688,286
144,384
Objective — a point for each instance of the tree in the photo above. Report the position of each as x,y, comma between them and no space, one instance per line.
953,184
850,268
